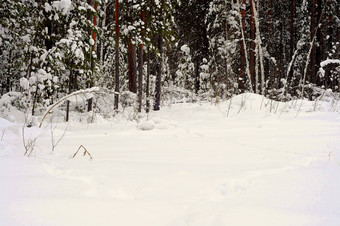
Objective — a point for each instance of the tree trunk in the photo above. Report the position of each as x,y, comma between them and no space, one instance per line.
319,47
242,79
132,66
140,68
313,28
67,110
159,64
242,24
329,81
159,74
91,82
116,56
292,41
269,72
148,83
252,48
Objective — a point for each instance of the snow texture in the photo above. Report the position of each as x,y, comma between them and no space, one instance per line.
197,166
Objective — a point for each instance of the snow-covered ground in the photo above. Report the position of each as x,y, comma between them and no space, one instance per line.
190,164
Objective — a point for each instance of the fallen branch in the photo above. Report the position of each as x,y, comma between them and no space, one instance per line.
79,92
85,152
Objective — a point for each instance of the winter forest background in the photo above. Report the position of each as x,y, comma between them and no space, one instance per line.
170,112
149,51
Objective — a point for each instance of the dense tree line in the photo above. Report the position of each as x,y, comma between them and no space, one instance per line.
152,48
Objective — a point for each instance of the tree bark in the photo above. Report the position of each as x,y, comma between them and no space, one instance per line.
313,28
242,80
148,83
252,48
319,47
116,56
292,41
159,64
132,66
140,67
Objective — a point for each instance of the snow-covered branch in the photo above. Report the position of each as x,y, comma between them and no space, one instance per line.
76,93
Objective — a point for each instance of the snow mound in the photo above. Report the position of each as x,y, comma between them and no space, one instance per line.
4,123
146,125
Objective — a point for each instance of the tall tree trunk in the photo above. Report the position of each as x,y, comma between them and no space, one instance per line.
140,67
48,25
242,24
268,70
292,41
259,50
91,83
148,83
159,64
103,25
116,55
242,80
329,81
252,48
319,47
313,28
159,74
132,66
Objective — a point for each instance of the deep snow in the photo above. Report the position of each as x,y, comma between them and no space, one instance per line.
190,164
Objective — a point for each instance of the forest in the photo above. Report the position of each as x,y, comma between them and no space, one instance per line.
170,112
146,51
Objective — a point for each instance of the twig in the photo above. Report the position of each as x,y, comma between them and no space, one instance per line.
85,152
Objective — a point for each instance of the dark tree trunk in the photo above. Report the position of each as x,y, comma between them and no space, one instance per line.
242,80
148,83
91,82
140,68
292,26
116,56
292,41
329,81
319,47
67,110
159,74
89,104
48,25
159,64
269,23
252,47
312,33
132,66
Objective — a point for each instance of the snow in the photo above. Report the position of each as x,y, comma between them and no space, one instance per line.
63,5
91,41
329,61
195,167
146,125
24,83
185,49
48,7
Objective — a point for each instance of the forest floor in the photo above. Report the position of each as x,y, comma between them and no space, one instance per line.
198,164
